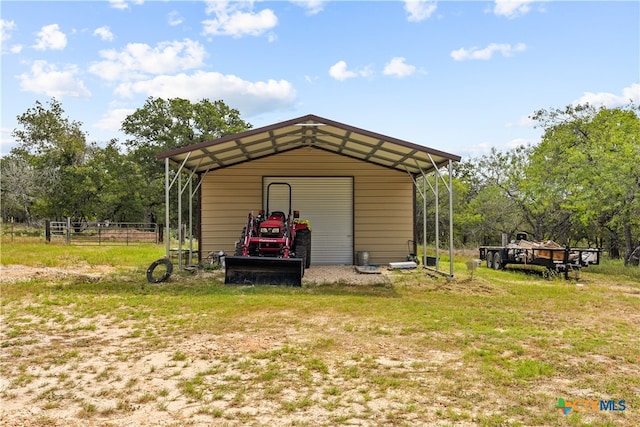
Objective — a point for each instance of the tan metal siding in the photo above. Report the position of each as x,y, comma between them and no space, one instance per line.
383,200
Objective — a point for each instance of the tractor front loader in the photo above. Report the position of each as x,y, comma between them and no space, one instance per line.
274,249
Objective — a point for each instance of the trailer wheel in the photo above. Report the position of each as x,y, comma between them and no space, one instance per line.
168,269
489,259
497,261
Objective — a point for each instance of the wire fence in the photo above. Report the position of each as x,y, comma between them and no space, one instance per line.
103,233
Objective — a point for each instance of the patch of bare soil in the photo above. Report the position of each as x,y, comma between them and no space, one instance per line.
278,368
113,379
14,273
344,274
106,372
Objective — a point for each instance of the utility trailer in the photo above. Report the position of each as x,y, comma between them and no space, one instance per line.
554,257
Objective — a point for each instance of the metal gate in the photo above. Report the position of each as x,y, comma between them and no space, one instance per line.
102,233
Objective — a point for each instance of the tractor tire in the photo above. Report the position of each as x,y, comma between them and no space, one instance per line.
302,246
238,249
301,252
307,261
497,261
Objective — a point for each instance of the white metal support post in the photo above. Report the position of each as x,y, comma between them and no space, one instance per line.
423,193
180,220
192,193
437,194
166,207
450,219
190,220
167,187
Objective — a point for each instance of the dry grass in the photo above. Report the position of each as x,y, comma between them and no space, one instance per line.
102,347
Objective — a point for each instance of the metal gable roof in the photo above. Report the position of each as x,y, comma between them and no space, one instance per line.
308,131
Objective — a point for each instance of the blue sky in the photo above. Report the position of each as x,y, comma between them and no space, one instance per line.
458,76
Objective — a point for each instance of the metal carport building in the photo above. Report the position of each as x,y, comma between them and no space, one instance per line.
356,187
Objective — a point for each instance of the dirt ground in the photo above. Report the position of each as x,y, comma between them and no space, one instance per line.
108,383
106,371
315,274
14,272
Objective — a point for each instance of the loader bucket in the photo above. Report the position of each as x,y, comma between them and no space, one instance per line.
254,270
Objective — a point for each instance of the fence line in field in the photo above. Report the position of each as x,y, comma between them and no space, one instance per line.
103,233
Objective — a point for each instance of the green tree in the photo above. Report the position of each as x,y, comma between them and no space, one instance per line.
589,160
116,179
162,125
497,196
464,219
55,150
501,200
18,188
486,211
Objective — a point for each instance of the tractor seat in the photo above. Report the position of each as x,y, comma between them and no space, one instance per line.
278,214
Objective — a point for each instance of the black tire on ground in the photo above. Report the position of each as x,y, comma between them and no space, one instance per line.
168,269
302,246
497,261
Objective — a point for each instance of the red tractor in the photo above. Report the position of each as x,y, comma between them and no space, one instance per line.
274,248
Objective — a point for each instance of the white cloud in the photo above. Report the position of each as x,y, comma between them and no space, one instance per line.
610,100
419,10
340,72
112,120
523,121
104,33
124,4
312,7
505,49
47,79
398,67
237,19
5,29
174,18
119,4
248,97
485,147
50,37
7,142
512,8
139,60
311,79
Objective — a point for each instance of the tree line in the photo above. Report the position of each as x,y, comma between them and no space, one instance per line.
579,185
55,173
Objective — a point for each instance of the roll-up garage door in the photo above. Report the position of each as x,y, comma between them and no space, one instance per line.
327,202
